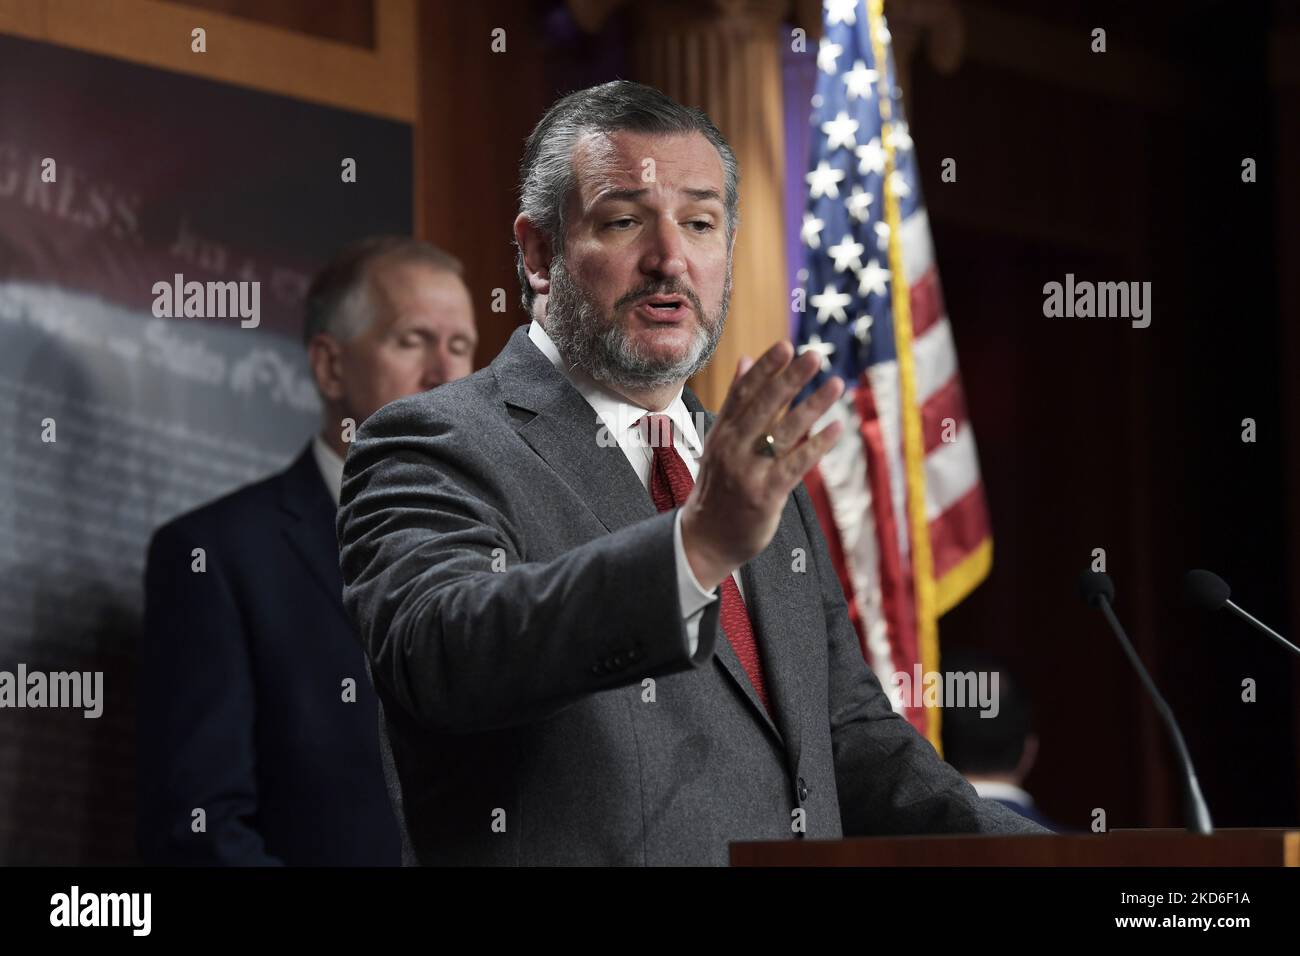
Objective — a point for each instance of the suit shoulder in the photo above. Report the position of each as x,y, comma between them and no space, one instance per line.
245,506
465,403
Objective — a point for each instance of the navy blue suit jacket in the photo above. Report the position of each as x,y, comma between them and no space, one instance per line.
241,694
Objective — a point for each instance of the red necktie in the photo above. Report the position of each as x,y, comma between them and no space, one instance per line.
670,486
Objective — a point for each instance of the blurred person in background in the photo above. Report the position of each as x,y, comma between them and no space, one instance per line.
994,753
254,703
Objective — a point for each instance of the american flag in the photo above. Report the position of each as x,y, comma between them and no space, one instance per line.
900,497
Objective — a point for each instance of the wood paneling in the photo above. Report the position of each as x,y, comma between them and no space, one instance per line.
380,81
347,21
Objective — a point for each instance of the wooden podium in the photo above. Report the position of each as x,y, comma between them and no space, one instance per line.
1254,847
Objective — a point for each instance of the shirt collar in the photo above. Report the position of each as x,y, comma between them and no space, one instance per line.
997,790
330,465
616,412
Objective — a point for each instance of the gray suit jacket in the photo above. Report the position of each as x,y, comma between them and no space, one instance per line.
516,594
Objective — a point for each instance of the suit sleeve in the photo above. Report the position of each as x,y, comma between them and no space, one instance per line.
196,710
891,781
462,624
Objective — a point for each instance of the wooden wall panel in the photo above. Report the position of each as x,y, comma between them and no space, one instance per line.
380,81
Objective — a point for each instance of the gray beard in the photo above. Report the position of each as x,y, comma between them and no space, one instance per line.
599,346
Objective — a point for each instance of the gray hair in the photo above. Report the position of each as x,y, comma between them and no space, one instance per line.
338,301
546,172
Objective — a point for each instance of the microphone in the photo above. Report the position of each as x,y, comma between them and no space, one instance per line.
1207,590
1097,590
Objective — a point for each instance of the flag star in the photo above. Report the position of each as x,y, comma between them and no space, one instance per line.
822,181
858,203
830,304
862,329
839,131
847,254
824,349
810,233
859,80
872,278
840,11
827,54
899,137
898,183
882,234
872,157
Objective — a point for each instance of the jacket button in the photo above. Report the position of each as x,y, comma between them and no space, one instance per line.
618,660
803,790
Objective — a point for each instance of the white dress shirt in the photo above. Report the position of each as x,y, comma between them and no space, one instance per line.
330,465
996,790
620,417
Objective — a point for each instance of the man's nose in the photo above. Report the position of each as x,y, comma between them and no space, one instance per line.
435,373
665,253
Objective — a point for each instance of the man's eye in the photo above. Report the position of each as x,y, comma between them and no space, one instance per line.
700,225
620,223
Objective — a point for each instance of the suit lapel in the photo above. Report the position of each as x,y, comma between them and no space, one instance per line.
565,433
773,613
561,427
309,524
768,581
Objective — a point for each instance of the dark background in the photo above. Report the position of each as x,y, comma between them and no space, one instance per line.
1094,434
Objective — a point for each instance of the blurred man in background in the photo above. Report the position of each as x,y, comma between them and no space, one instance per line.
258,741
994,753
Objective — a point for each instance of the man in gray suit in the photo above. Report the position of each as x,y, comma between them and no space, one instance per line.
582,599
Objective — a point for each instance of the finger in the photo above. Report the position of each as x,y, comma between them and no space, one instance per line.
751,380
756,417
799,420
793,466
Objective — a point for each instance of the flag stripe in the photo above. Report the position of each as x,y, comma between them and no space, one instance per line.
936,360
958,529
882,379
918,251
927,302
951,472
942,413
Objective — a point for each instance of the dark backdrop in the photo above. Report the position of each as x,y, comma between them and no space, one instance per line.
1126,166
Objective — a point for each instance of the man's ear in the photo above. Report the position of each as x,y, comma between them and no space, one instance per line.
1027,756
323,356
537,254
